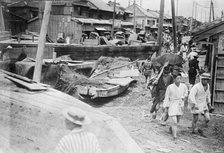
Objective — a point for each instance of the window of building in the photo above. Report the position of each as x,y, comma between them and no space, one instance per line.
79,10
57,10
151,22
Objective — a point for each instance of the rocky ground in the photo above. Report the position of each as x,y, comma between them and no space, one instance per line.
130,107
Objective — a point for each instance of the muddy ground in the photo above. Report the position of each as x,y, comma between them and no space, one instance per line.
151,136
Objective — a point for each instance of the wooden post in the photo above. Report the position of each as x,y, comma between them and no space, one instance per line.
2,24
160,30
41,43
134,18
112,31
174,26
191,26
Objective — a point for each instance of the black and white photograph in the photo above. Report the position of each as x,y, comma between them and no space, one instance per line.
111,76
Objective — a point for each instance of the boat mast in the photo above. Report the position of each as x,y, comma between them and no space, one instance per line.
41,43
160,28
112,32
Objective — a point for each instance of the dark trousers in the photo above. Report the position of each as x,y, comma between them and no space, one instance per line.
192,78
157,100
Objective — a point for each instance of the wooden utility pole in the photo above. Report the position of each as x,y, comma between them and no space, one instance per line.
174,26
41,43
196,10
192,17
2,24
160,30
112,31
134,18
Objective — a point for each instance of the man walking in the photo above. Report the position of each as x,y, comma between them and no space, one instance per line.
147,70
175,96
199,100
159,94
78,141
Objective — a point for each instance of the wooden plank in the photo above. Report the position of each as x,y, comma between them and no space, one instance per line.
30,86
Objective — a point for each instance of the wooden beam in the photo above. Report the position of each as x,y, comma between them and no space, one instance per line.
2,24
42,40
160,30
114,13
174,26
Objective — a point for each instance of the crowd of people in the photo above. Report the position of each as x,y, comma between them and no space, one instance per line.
169,93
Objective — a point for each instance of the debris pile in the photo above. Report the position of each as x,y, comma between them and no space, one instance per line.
68,80
104,63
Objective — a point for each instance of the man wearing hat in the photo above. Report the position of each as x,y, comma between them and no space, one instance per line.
78,140
200,100
163,82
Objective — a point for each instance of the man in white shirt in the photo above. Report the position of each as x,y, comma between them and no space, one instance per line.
175,96
200,100
78,140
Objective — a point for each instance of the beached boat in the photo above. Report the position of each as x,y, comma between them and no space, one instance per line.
111,87
93,52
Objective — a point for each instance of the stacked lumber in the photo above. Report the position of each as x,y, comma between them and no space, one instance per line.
4,35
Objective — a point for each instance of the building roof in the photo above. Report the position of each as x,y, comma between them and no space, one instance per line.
208,26
119,9
91,21
101,5
143,11
24,4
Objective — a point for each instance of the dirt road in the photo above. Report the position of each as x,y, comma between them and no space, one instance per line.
151,135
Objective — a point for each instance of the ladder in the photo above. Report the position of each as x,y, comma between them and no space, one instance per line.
218,86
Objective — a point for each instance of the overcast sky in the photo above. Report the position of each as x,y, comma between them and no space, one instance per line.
184,7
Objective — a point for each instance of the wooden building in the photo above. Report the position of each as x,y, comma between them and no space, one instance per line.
211,36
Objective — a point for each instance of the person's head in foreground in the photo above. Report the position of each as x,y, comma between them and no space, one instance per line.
177,79
205,78
75,118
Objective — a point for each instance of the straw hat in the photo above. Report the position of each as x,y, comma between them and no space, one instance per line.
205,76
76,115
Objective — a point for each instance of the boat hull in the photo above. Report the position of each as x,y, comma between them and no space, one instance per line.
81,52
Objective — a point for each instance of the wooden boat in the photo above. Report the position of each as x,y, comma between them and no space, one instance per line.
111,87
91,52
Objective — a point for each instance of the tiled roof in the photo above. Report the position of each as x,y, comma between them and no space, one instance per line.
101,5
148,12
208,26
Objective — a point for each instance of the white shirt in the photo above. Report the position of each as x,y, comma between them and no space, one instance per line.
78,141
199,97
174,98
